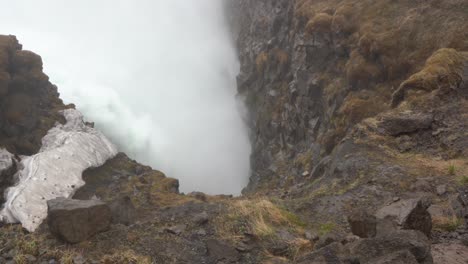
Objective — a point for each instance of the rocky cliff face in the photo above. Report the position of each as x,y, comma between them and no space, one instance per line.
29,103
311,71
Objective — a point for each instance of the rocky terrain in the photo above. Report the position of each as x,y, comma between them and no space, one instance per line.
359,120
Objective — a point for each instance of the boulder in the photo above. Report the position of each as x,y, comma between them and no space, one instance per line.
382,248
77,220
404,123
123,211
407,214
363,224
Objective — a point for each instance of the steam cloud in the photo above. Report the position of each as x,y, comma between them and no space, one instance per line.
157,77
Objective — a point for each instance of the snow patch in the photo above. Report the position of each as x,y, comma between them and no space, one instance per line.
56,171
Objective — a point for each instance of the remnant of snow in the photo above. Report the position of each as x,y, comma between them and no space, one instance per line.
56,171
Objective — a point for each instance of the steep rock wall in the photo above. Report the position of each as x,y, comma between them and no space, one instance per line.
29,103
312,70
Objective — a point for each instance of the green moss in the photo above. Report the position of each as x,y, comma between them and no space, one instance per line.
326,228
452,169
463,180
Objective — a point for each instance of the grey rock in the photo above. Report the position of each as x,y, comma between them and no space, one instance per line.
441,189
201,218
75,220
404,123
408,214
31,258
312,236
176,230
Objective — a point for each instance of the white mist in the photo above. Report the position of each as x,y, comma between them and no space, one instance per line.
157,77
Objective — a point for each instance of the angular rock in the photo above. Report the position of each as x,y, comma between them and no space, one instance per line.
368,250
405,123
408,214
363,224
123,211
441,189
201,218
75,221
177,229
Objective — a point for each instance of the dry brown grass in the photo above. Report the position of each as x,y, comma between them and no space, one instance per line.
446,223
261,61
320,23
361,72
444,69
259,217
125,257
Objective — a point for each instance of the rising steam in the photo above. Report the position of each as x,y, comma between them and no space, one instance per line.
157,77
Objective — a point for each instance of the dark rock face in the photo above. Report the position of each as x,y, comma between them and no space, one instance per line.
28,101
363,224
408,214
75,221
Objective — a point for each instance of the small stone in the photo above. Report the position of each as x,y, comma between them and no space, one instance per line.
30,258
176,230
201,219
441,189
79,259
396,199
201,232
311,236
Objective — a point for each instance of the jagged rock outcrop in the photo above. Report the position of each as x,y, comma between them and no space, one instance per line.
29,103
408,214
56,171
312,70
